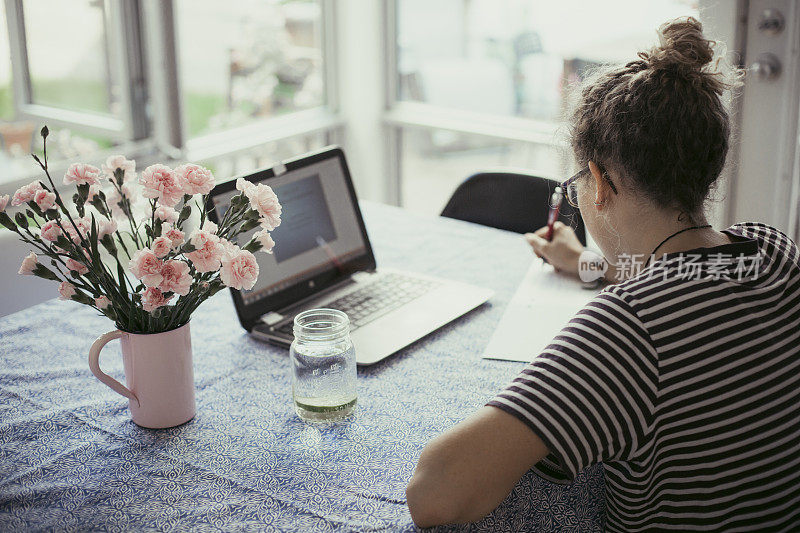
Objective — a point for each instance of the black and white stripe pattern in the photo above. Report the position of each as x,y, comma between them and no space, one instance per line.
686,389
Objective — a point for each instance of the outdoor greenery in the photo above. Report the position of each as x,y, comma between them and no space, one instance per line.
200,108
83,95
92,96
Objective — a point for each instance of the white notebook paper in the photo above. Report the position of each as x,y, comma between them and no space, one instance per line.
543,304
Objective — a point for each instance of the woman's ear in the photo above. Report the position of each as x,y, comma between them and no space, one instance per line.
602,190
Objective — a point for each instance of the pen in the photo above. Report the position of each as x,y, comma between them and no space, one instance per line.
329,252
555,206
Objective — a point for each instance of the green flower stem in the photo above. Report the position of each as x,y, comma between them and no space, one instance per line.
109,217
122,243
152,223
59,201
202,210
103,273
45,251
128,210
64,209
238,219
233,210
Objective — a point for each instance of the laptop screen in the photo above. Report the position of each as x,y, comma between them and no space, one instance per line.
319,232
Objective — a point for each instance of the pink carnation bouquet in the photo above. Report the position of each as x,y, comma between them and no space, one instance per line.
124,246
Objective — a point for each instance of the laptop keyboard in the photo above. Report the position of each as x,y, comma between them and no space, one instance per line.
375,299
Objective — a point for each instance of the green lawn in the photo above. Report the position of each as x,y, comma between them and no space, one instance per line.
199,109
81,95
92,96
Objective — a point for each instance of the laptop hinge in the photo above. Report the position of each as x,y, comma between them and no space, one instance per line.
363,275
274,317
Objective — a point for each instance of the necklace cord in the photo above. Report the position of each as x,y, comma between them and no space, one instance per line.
653,253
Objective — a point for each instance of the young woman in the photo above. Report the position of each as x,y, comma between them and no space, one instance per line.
683,379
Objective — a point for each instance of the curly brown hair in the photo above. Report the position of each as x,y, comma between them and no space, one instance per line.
659,121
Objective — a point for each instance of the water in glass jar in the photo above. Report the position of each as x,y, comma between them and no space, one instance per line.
324,384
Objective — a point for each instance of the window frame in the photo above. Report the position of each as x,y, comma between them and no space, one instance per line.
124,21
169,123
152,122
403,114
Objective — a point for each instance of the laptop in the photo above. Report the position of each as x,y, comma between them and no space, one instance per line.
323,259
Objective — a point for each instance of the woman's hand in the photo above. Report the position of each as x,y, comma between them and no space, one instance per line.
562,252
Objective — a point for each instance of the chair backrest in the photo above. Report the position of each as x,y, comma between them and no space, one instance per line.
509,201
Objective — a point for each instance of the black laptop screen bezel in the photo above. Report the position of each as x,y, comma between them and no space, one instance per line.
250,314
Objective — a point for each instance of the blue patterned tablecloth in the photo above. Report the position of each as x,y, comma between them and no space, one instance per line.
71,459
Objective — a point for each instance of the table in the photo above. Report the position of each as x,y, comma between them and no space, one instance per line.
71,459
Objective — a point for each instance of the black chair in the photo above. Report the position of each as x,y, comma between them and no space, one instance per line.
509,201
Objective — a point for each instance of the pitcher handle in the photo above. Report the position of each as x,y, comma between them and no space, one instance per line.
94,364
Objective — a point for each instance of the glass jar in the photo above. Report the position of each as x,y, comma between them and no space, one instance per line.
323,365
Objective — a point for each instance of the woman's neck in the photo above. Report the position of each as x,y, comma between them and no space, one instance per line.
651,231
680,233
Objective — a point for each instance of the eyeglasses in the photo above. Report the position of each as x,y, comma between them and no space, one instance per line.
570,187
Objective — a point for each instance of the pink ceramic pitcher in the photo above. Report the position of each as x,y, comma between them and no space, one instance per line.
158,372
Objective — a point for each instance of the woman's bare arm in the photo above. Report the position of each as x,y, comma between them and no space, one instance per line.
463,474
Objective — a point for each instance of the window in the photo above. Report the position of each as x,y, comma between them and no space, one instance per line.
488,81
69,63
6,102
67,71
247,60
233,85
435,161
264,155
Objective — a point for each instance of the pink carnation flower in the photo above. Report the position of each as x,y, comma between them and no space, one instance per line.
102,302
45,200
118,161
26,193
210,226
243,185
76,266
195,179
3,203
265,239
152,299
265,201
174,235
84,225
93,190
106,227
166,214
113,198
269,223
176,277
50,231
80,173
228,248
28,264
239,271
66,290
146,267
208,251
159,181
161,246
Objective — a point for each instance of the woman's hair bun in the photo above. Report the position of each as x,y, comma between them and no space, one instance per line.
682,46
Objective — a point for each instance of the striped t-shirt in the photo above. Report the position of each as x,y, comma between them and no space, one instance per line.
684,381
